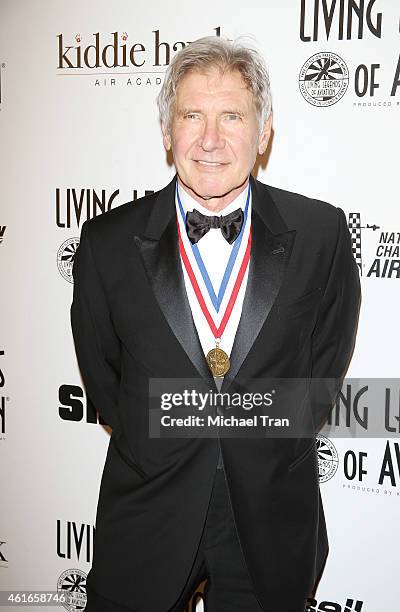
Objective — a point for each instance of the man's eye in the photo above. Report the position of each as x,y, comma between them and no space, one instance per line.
191,116
232,116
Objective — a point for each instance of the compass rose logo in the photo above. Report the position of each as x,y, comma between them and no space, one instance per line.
72,586
324,79
328,460
65,258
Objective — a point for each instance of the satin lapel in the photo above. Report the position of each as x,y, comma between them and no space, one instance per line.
271,249
159,250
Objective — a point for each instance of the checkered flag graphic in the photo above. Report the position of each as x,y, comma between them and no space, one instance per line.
354,225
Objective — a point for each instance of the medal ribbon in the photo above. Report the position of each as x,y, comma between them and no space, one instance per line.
217,300
216,331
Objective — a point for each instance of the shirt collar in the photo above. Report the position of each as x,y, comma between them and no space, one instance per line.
189,203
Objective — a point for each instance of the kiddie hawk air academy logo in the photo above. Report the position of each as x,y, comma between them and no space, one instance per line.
65,258
381,258
324,79
72,586
120,58
328,460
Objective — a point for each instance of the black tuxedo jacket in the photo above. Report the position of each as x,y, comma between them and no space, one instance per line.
131,321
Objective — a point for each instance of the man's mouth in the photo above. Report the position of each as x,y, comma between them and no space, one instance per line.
209,163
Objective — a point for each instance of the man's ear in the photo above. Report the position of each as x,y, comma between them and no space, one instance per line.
166,137
265,135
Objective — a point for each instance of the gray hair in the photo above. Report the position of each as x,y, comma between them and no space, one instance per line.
213,51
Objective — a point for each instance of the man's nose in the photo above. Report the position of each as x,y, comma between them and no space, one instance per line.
211,137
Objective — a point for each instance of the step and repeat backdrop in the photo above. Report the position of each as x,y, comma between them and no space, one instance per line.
79,135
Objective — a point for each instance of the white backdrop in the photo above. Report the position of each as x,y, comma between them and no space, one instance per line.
72,134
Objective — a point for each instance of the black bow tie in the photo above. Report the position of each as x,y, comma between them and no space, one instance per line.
197,225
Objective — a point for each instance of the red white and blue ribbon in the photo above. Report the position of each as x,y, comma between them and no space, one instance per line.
217,300
216,331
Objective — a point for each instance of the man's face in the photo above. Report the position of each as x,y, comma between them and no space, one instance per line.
215,136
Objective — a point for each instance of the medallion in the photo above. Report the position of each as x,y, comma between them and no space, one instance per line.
218,362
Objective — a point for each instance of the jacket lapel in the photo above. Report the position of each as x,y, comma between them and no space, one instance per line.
159,249
271,248
272,244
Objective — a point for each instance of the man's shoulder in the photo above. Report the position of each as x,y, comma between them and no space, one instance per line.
134,211
312,218
297,207
126,219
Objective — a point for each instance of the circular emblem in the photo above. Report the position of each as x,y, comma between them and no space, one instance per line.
72,586
65,258
218,362
328,460
324,79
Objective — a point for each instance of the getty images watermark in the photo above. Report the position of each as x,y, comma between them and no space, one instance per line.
202,402
274,407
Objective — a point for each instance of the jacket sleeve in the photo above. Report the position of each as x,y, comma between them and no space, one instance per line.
335,330
97,345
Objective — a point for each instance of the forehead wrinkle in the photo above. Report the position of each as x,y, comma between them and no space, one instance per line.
213,80
225,103
226,109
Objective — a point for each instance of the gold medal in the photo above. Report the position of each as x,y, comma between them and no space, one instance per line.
218,361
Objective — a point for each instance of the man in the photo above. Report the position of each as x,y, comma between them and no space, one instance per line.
215,277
